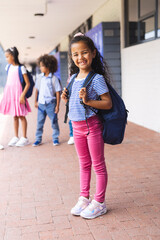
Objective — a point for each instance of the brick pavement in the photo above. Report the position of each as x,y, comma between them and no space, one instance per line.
38,187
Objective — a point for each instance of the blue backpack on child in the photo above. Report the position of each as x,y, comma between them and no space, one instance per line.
30,90
114,120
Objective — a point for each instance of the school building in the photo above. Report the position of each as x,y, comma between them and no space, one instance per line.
127,33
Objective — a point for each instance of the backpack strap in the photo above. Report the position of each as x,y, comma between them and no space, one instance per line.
85,84
8,68
60,84
20,75
19,72
87,81
89,78
53,83
66,113
69,90
69,87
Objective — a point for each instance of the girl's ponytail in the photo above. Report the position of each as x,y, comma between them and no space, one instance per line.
14,52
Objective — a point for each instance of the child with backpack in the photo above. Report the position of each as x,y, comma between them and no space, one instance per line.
14,100
47,98
87,127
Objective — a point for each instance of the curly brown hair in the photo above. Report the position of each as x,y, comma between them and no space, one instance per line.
49,61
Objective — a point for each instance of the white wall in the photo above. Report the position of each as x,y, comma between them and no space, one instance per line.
109,12
141,83
64,44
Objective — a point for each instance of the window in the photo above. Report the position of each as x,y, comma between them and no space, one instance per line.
83,28
133,21
142,21
146,6
147,29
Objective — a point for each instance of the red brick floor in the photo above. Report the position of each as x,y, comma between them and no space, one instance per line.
38,187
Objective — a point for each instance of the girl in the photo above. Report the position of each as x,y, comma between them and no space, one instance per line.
47,98
14,102
90,147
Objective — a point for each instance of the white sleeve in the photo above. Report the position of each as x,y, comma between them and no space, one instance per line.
57,85
6,68
23,69
38,82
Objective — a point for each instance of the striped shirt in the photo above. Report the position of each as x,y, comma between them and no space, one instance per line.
96,88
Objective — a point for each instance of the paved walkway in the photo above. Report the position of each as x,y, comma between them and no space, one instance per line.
38,187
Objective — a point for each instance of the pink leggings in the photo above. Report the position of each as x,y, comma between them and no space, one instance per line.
90,150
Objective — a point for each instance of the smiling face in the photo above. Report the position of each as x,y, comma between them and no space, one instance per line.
9,58
82,56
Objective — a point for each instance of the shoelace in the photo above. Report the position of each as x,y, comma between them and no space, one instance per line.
94,205
80,203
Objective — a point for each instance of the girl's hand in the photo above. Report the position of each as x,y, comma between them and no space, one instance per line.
36,104
83,95
56,109
64,95
22,99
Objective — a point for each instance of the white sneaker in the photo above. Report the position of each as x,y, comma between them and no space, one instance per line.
22,142
1,147
13,141
71,141
94,210
80,206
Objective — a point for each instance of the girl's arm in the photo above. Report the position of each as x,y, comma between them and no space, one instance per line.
22,97
105,102
36,98
58,102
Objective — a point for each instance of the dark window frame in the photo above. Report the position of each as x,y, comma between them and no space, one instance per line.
140,19
83,28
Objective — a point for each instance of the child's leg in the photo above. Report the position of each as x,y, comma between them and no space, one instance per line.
96,148
81,145
50,112
24,126
40,122
16,126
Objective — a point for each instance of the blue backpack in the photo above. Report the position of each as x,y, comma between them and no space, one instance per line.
30,90
114,120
